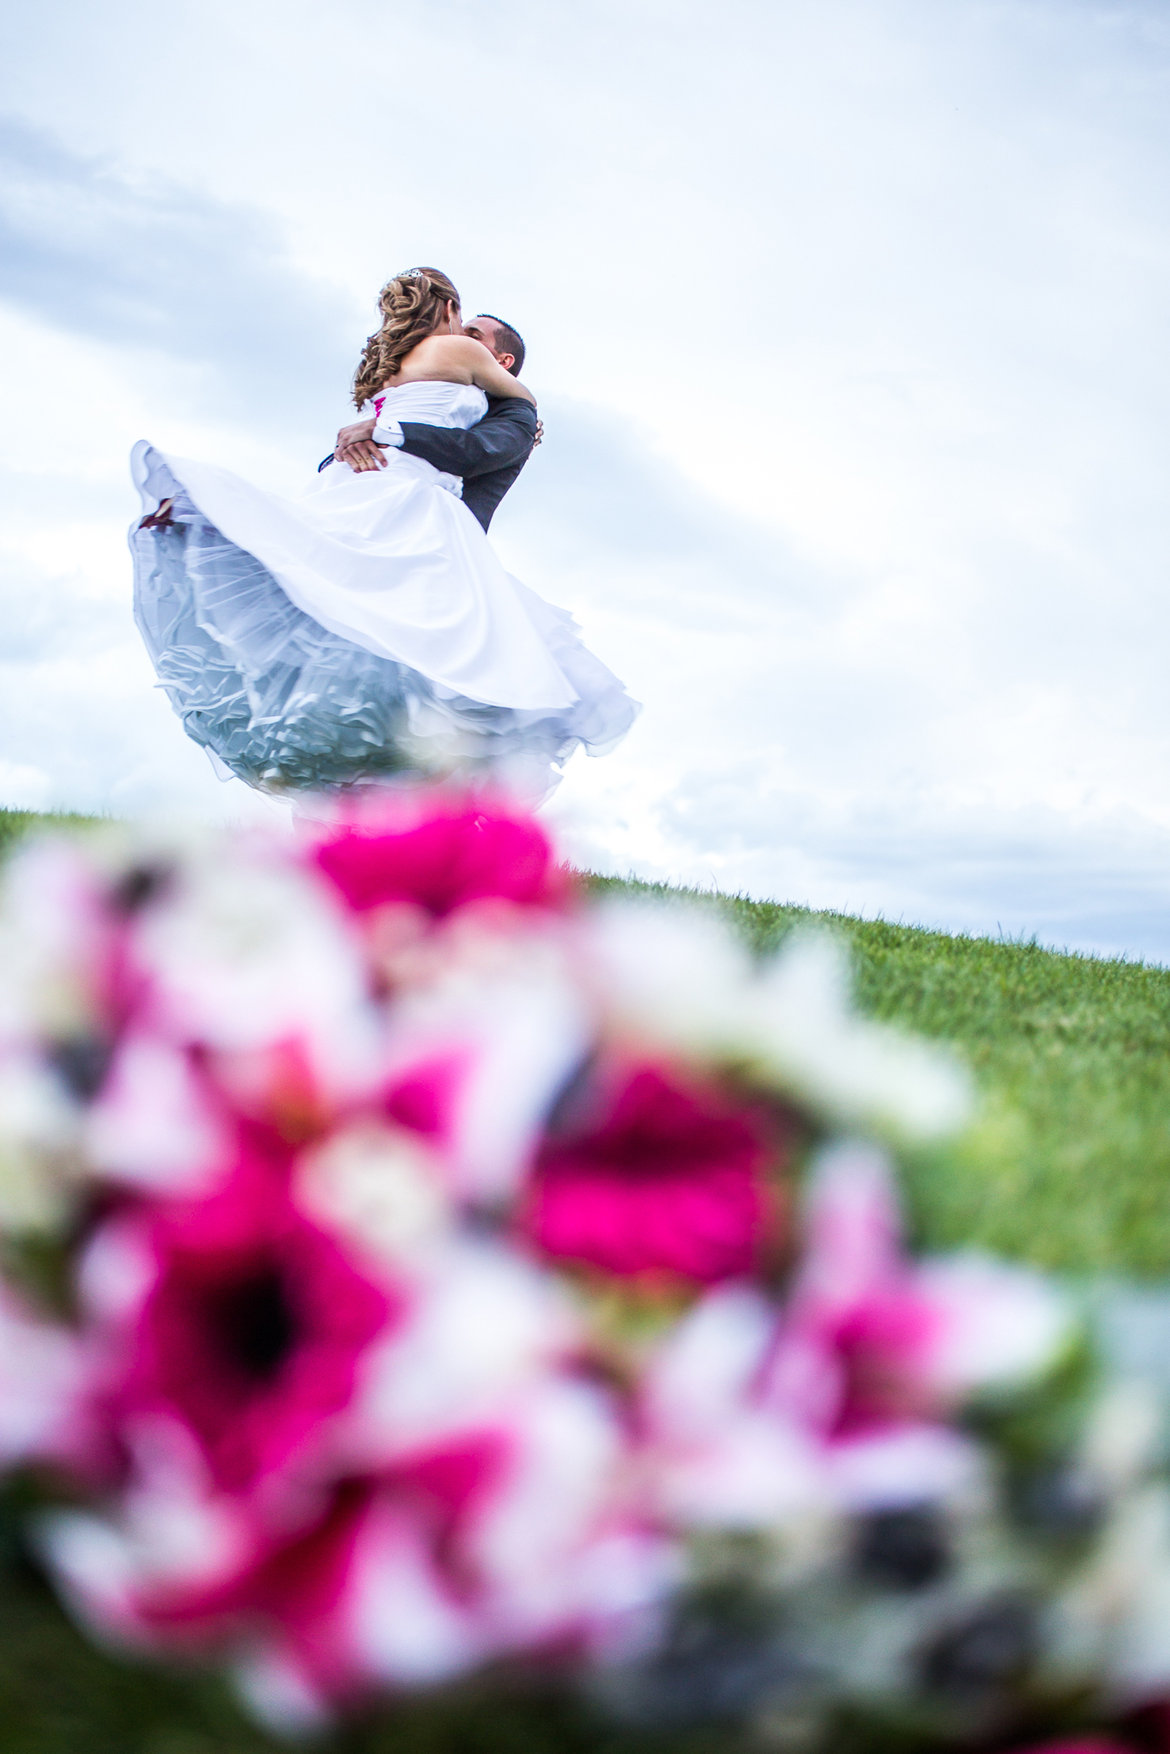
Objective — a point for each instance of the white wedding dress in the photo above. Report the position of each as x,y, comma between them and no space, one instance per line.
363,629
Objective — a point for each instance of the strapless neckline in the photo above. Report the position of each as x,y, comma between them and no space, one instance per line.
434,401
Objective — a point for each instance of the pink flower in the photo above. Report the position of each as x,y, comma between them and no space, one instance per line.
506,1537
278,1096
440,855
247,1329
1086,1744
658,1177
1080,1745
422,1097
875,1352
300,1600
714,1454
755,1416
378,1590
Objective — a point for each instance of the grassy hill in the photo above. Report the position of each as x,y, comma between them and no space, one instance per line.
1069,1165
15,824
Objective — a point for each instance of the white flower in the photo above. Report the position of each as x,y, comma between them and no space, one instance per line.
504,1005
115,1274
858,1072
171,1527
483,1326
244,955
998,1325
677,976
405,1625
542,1537
152,1126
1120,1442
717,1458
381,1188
92,1565
703,1371
42,1379
908,1464
557,1490
670,974
51,936
1115,1615
274,1687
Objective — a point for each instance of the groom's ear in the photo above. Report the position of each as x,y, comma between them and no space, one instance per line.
507,360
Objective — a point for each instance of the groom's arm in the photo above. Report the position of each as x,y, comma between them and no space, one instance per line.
502,438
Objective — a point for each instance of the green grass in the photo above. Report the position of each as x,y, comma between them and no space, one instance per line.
15,824
1068,1166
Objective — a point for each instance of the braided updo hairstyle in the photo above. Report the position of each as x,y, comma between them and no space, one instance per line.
413,306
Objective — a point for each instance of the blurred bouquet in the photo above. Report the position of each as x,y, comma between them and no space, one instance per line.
412,1268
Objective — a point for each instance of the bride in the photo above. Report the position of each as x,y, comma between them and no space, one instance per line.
365,628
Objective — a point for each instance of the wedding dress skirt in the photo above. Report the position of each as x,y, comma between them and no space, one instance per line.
363,629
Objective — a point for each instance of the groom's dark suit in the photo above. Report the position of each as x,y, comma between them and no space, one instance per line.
488,456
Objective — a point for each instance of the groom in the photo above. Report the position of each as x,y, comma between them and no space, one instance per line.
489,456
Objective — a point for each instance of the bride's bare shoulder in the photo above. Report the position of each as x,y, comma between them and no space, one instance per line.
451,359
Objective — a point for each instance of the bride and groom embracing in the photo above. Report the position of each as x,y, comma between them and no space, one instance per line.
366,628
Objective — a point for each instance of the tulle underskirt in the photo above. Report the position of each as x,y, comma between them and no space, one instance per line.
285,704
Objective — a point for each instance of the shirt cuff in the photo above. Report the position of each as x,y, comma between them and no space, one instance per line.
388,432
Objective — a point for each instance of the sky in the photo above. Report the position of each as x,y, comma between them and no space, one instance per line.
848,320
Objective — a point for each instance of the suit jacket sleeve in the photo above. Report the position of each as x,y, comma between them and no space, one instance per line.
502,438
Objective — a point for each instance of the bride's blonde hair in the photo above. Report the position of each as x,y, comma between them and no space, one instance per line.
413,306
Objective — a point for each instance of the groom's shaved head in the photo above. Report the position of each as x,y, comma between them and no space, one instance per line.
500,338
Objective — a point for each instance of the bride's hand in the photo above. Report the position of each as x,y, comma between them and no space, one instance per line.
355,446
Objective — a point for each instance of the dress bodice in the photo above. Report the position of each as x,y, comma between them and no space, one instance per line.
433,404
